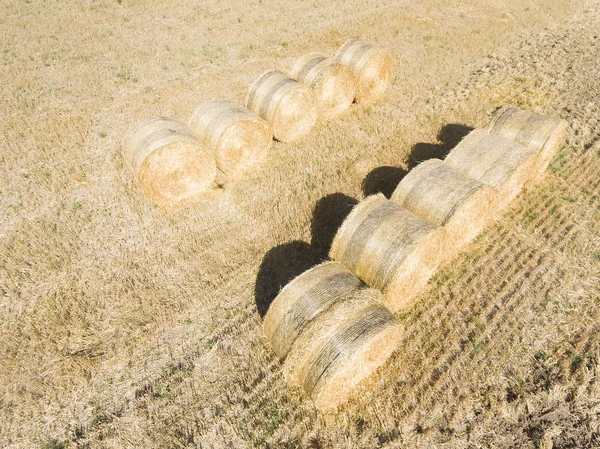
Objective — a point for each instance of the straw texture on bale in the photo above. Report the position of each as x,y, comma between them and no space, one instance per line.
442,195
238,138
333,83
169,163
303,300
343,347
290,107
541,133
492,160
389,248
371,65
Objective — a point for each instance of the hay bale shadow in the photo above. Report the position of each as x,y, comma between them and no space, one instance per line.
279,266
449,136
328,215
383,180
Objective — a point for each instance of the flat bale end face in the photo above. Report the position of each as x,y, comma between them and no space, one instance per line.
177,173
296,114
418,268
335,91
243,146
375,78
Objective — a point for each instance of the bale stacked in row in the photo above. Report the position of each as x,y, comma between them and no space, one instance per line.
540,133
290,107
334,84
389,248
169,163
332,332
371,65
442,195
494,161
238,138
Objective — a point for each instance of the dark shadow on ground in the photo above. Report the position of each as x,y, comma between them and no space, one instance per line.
383,180
449,136
280,265
328,215
284,262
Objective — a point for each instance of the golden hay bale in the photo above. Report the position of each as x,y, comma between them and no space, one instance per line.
371,65
389,248
334,83
344,346
169,163
238,138
442,195
290,107
494,161
543,134
304,299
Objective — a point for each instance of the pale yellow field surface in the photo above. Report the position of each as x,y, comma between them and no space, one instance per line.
126,325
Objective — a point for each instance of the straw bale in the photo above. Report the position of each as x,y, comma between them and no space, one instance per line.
290,107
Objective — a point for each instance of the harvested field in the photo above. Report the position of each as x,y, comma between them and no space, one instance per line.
126,326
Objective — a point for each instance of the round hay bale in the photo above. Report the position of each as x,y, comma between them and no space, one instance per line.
371,65
492,160
290,107
343,348
238,138
442,195
389,248
541,133
169,163
334,83
304,299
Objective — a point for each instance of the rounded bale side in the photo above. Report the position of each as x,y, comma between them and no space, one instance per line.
305,298
371,65
495,161
239,139
348,353
541,133
168,162
334,84
390,248
342,348
440,194
290,107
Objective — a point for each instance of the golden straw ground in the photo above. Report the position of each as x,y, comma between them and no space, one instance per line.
238,138
334,84
389,248
371,65
541,133
168,162
492,160
443,196
342,347
290,107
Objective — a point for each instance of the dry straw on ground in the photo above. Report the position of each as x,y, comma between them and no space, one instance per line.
389,248
169,163
371,65
494,161
290,107
442,195
238,138
344,346
541,133
334,84
303,300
